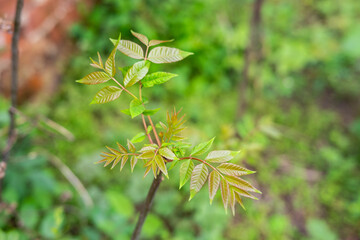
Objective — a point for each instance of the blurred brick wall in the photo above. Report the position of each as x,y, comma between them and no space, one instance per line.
43,45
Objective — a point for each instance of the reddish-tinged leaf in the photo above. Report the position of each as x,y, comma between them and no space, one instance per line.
220,156
94,78
133,161
121,148
198,179
244,193
156,42
147,170
131,146
141,37
232,202
131,49
239,200
233,169
214,181
114,151
241,183
224,186
118,158
123,161
186,169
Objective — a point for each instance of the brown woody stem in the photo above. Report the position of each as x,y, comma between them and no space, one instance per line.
146,207
14,88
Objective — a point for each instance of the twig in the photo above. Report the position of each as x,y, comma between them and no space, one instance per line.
73,179
14,81
147,205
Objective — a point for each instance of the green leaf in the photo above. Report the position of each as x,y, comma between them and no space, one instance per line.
141,37
220,156
136,108
157,78
151,111
160,162
167,153
130,49
167,55
186,169
94,78
107,94
233,169
202,147
198,179
138,137
136,73
214,182
126,111
156,42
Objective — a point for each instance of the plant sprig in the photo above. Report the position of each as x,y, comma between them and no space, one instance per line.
169,145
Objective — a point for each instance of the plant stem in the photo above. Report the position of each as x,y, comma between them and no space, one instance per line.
154,130
123,88
145,127
14,88
146,207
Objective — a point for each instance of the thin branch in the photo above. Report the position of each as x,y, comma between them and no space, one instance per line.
154,130
145,127
146,207
123,88
73,179
14,87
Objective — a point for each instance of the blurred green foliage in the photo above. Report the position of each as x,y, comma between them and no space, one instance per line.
300,131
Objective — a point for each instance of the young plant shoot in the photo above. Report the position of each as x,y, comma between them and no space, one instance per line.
166,146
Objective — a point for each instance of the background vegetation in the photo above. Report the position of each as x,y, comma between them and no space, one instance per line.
294,115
